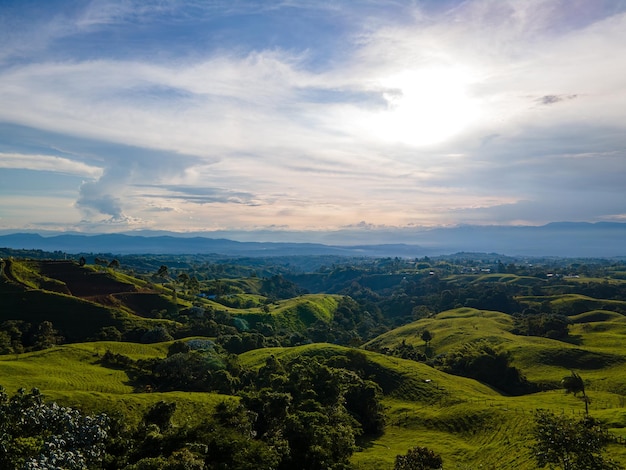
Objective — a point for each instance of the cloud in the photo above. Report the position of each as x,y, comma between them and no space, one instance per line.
201,195
49,163
552,99
412,114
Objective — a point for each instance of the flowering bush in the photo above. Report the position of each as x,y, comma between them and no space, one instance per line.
38,435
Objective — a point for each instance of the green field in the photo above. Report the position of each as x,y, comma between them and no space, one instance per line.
468,423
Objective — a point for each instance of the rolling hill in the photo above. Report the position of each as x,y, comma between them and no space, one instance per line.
470,423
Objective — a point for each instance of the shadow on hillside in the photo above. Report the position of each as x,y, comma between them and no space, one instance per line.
573,339
121,362
368,442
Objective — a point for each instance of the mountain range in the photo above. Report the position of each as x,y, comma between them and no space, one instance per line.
562,239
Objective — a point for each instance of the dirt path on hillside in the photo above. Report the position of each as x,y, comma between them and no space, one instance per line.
7,272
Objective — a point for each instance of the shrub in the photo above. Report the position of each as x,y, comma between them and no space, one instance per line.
418,458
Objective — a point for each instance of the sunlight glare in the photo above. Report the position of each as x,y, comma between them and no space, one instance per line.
425,107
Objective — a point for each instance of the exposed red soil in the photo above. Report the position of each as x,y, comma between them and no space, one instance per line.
83,282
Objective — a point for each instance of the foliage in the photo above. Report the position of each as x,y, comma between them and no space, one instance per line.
278,287
418,458
314,409
542,324
38,435
569,443
575,384
158,334
483,361
183,369
308,407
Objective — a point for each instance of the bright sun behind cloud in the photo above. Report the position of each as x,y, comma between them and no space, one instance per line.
426,106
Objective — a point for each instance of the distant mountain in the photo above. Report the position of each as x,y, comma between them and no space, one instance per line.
564,239
127,244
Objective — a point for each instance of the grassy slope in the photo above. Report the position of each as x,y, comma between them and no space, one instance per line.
296,314
80,300
107,298
72,375
468,423
599,355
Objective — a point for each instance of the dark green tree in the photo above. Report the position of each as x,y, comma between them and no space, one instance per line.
46,336
484,361
427,337
162,271
575,384
161,414
569,443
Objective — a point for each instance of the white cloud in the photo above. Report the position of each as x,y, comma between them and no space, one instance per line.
433,118
48,163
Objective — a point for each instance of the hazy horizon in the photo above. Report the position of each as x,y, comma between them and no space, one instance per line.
310,116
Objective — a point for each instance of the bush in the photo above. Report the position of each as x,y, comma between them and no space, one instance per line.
38,435
570,443
156,335
418,458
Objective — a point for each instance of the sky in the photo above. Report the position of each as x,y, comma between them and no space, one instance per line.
310,115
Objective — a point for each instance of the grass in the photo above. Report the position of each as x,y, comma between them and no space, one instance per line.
294,314
73,376
573,304
597,352
101,298
468,423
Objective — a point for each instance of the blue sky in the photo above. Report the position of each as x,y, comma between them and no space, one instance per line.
310,115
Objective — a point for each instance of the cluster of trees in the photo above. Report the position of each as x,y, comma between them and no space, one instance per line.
17,336
380,294
419,458
548,325
302,413
483,361
571,443
309,419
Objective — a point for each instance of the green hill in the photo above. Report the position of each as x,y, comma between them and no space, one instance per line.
293,314
470,423
79,300
466,422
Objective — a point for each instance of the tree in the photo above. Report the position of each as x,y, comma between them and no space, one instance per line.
161,414
569,443
426,336
575,384
418,458
183,280
488,363
162,272
39,435
101,262
158,334
109,333
46,336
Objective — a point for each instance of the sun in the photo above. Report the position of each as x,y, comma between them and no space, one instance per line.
425,106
